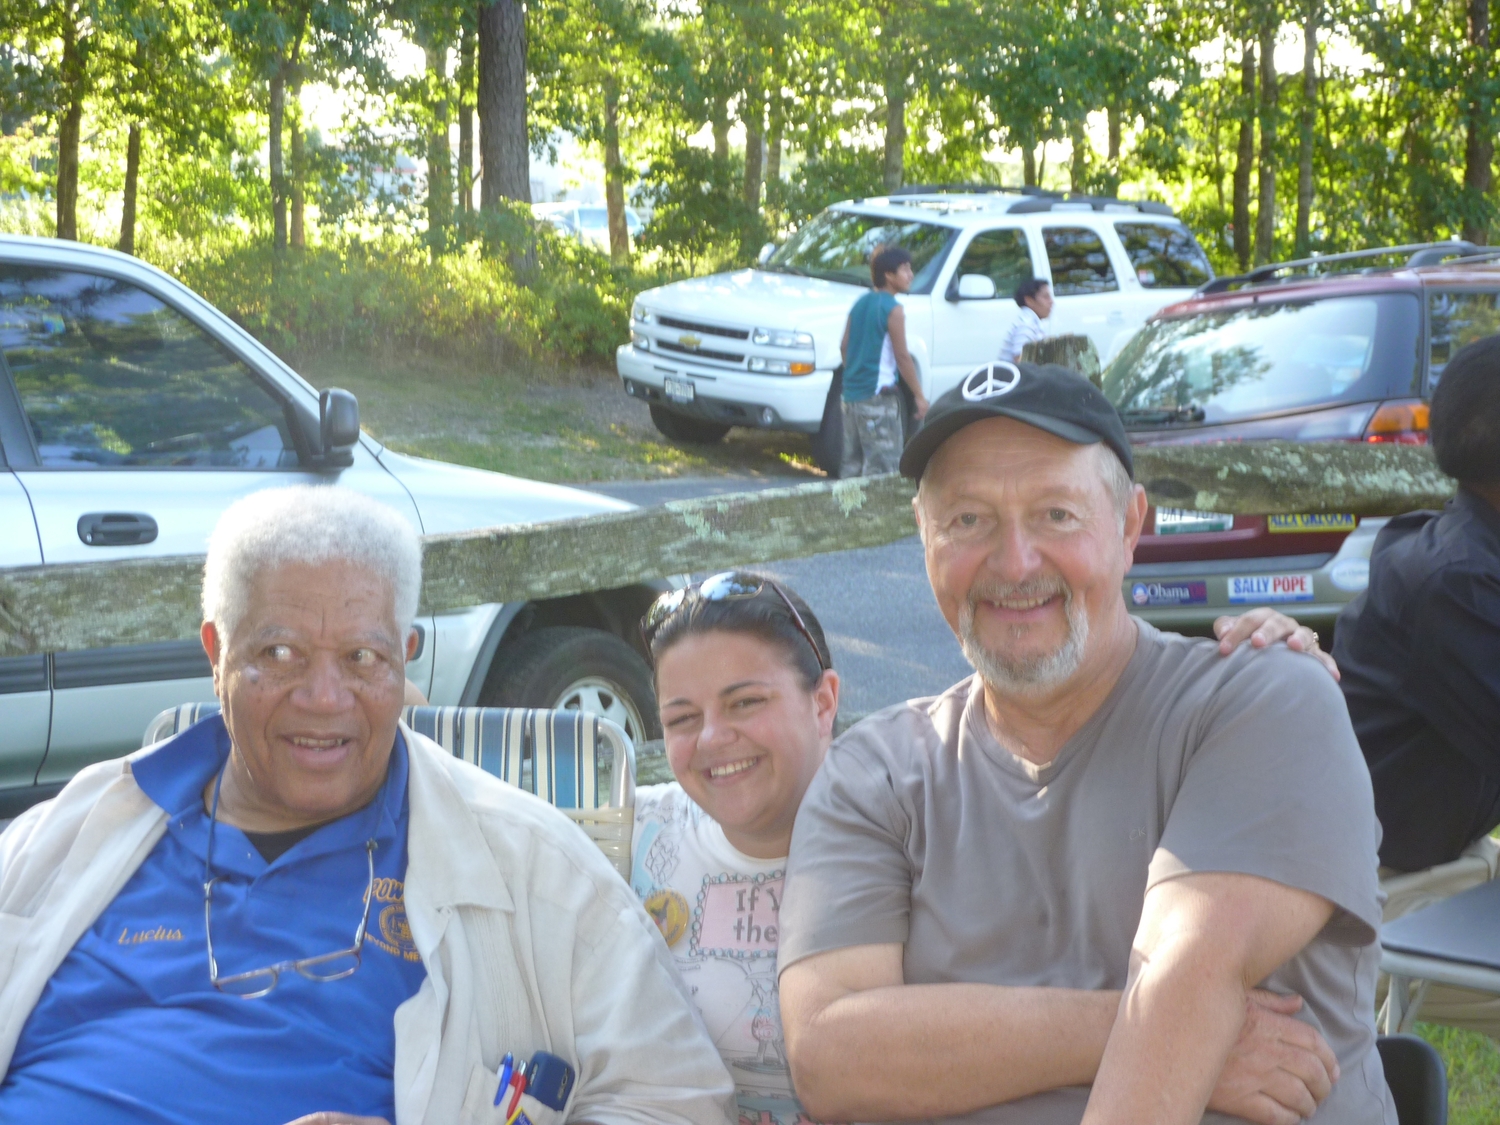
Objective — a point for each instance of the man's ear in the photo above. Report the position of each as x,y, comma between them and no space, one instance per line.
209,635
1135,522
413,639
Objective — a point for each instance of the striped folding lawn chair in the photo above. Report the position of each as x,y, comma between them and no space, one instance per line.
580,763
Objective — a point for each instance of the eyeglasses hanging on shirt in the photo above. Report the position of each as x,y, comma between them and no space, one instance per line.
256,983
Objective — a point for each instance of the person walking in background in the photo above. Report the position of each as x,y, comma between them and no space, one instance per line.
1034,295
874,351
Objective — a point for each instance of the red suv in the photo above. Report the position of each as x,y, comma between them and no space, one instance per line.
1335,348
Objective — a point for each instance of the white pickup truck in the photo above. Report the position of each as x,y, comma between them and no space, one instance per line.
758,347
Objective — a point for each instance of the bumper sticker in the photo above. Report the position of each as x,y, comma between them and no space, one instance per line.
1182,521
1314,522
1271,588
1169,593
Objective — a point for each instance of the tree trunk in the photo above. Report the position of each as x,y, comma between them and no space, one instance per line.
1041,163
1112,115
1265,212
614,176
132,178
1479,140
439,154
1244,156
296,188
504,151
1306,121
1079,172
1028,166
718,118
895,131
68,130
278,171
773,154
754,117
466,118
126,245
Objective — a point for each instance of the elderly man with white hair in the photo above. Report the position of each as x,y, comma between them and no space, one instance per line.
1067,888
303,910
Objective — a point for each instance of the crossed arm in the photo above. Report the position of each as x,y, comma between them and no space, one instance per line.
864,1045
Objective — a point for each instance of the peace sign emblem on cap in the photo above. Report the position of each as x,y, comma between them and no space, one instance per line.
991,381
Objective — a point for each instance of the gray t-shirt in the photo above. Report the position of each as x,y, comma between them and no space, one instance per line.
922,829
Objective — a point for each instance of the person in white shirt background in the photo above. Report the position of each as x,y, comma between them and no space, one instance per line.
748,699
1034,295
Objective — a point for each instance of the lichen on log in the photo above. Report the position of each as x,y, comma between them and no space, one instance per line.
78,606
1076,352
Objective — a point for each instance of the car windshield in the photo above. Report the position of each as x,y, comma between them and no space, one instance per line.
1266,357
593,218
837,245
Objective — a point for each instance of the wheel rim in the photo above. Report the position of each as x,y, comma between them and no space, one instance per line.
601,697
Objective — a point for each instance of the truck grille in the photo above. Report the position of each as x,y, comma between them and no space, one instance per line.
710,329
697,353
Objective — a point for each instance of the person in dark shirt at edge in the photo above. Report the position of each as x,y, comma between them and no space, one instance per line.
1420,653
1420,647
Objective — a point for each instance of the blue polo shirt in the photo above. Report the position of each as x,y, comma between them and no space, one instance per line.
129,1029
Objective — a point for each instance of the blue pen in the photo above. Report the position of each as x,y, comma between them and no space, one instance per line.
505,1067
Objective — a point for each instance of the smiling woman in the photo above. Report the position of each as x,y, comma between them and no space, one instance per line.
748,700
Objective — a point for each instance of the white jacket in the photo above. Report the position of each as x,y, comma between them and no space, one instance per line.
530,939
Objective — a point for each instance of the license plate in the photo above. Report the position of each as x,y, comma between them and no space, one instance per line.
1315,522
1262,588
1182,521
679,390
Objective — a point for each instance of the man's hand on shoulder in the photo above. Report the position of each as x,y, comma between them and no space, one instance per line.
1280,1070
1265,626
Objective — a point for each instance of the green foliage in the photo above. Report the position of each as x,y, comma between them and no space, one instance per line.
390,296
700,217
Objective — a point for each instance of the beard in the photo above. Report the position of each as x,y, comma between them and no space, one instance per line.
1026,675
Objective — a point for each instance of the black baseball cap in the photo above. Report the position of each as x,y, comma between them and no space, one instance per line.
1047,396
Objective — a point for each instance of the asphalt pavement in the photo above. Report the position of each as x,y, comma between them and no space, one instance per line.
888,641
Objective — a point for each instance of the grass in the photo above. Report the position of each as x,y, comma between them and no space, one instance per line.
1473,1062
567,426
578,426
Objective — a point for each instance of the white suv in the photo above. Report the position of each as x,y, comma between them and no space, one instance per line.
758,347
132,413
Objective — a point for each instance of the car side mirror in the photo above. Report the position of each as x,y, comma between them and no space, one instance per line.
765,253
976,287
338,427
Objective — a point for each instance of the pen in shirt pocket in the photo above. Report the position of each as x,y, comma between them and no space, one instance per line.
505,1070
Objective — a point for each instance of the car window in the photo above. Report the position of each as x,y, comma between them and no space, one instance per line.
593,218
837,246
110,377
1456,320
1265,357
1001,256
1164,256
1079,263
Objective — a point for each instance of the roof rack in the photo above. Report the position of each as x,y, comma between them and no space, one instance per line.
1037,199
1420,254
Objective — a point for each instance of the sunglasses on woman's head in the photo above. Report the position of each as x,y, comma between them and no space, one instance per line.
729,586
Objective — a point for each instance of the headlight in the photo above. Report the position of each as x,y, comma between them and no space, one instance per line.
640,315
642,342
779,339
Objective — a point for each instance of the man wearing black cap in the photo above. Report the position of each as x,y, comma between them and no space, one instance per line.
1049,894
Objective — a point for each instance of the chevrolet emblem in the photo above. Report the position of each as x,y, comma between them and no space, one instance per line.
688,340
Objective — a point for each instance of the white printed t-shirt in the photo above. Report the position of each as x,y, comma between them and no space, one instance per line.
719,911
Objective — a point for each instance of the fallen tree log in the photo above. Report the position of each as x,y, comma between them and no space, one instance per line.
80,606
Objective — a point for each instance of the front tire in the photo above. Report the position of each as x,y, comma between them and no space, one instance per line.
567,668
679,427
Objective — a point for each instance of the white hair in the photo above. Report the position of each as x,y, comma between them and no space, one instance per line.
1117,480
308,524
